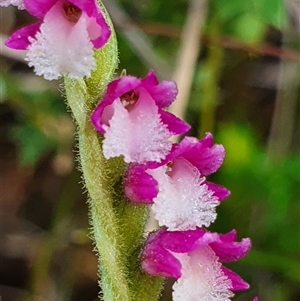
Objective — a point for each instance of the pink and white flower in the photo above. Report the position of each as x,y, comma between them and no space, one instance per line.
182,198
132,118
195,259
63,42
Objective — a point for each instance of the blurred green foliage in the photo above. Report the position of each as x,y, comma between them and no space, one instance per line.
36,131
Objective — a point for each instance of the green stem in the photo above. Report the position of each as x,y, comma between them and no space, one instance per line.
117,225
99,185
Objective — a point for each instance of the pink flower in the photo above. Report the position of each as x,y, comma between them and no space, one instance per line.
195,259
182,198
63,43
133,121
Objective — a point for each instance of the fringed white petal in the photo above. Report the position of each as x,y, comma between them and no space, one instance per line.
202,277
18,3
138,134
61,47
117,136
149,136
183,202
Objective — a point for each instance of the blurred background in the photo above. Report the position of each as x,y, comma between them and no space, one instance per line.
237,65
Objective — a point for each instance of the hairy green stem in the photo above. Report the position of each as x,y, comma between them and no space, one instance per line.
99,184
117,225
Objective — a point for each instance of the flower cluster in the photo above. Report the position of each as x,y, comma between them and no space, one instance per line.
132,117
63,41
172,179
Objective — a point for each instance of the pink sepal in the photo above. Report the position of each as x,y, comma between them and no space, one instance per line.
181,241
230,250
238,284
164,93
175,124
219,191
39,8
20,39
156,260
203,154
139,186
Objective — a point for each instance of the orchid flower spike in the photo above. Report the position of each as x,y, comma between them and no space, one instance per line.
63,42
195,259
132,118
182,198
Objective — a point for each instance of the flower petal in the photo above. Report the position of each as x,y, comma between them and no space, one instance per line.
203,154
229,236
220,192
183,202
138,134
118,138
61,48
150,79
20,39
99,31
115,89
181,241
156,260
163,93
18,3
202,277
126,84
150,134
237,283
231,251
175,125
39,8
139,186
